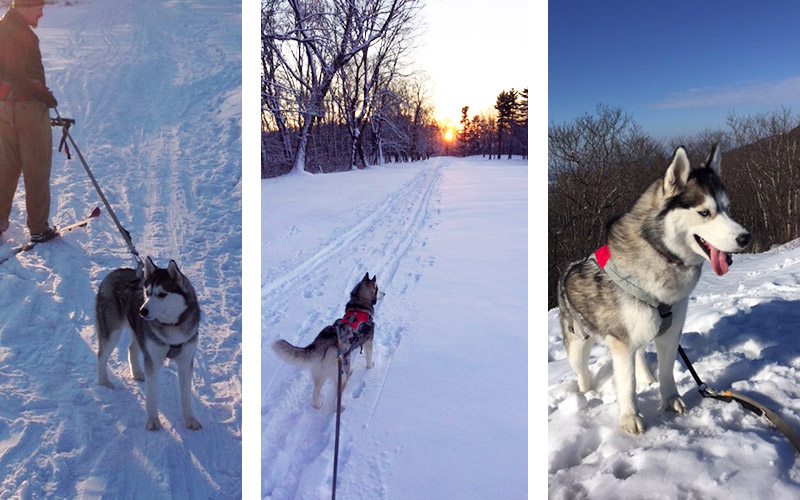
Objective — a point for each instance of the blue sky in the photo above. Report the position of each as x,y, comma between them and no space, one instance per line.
677,67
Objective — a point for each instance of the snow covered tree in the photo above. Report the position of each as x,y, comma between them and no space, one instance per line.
371,72
311,41
275,96
585,157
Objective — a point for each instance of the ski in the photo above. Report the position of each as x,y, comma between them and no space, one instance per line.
60,230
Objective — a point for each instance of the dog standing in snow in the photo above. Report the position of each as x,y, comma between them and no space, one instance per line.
163,314
321,354
636,288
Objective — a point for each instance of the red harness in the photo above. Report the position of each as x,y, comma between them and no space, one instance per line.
354,318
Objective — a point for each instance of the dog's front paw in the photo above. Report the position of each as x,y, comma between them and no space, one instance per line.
317,405
106,383
632,424
153,424
676,405
193,424
370,365
138,378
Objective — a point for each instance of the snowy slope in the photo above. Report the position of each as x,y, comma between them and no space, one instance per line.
741,333
155,88
443,412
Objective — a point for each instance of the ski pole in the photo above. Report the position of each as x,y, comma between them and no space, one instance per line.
65,124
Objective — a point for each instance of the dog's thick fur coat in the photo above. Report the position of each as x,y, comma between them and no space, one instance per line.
681,221
320,356
162,312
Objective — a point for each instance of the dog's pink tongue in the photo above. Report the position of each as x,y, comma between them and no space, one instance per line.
719,261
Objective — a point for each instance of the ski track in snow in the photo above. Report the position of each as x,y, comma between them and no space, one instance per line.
442,411
390,235
154,87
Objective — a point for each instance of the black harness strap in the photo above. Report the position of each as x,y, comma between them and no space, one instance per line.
175,349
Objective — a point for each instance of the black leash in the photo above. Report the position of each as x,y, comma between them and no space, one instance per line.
746,402
338,420
344,336
347,339
65,124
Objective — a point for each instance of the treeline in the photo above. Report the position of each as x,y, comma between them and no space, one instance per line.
503,134
599,164
335,90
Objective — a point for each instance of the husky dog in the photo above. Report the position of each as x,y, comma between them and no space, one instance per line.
163,315
636,288
353,330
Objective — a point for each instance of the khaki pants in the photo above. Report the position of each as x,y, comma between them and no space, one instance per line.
26,147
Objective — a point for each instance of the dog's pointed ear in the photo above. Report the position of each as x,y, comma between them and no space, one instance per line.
677,173
149,267
366,277
175,273
714,160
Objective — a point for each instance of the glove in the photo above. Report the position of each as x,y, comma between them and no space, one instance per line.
48,98
42,94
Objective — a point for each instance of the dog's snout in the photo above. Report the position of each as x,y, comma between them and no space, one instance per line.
743,239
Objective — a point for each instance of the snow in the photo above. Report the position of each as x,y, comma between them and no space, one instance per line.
740,334
443,413
155,89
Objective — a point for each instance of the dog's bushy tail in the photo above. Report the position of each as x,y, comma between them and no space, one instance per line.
573,324
292,354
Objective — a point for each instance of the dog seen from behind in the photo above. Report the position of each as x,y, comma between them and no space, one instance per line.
162,312
636,288
354,329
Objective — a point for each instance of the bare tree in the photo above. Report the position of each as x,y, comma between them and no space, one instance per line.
313,40
369,75
274,98
597,166
766,162
600,163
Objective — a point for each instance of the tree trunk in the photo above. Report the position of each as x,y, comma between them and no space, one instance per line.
299,166
314,109
354,134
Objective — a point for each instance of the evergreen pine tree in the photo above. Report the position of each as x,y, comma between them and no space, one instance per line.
464,137
505,105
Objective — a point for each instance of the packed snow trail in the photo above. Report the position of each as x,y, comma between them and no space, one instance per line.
155,89
740,333
446,239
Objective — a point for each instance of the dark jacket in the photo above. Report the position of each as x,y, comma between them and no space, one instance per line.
21,70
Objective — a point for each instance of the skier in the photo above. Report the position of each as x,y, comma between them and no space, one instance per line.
26,140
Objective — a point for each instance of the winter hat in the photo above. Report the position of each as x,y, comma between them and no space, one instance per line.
28,3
